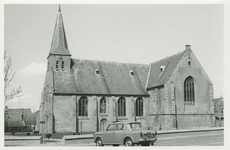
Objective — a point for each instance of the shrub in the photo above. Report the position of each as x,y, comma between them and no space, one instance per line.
12,132
28,133
35,132
48,135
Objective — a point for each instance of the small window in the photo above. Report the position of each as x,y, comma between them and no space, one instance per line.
57,65
131,73
96,71
189,63
62,66
162,68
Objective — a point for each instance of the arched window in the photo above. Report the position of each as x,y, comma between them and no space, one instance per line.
103,105
139,107
189,93
57,65
62,65
121,107
83,106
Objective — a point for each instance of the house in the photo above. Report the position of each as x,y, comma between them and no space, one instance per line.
19,120
85,95
219,111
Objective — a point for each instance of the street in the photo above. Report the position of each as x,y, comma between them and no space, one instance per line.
214,138
209,138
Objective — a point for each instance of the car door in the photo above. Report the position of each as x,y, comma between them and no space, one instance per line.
119,134
109,135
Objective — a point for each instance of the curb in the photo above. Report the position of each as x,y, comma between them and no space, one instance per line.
189,130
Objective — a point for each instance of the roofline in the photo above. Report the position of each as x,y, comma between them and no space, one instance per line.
115,62
89,94
157,86
59,54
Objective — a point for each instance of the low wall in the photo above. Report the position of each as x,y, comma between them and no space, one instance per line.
78,139
25,141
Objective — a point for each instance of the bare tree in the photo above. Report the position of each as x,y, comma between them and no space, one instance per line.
8,77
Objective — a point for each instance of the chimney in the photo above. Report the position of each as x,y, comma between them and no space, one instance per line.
188,47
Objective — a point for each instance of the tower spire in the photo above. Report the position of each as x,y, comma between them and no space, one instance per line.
59,10
59,43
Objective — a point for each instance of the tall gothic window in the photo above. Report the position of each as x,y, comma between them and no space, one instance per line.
57,65
83,106
121,107
103,105
139,107
189,93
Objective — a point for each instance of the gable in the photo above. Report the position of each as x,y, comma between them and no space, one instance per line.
157,77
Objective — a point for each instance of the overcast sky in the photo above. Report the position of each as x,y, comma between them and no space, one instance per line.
121,33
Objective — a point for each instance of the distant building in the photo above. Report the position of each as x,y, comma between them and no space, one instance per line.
19,120
219,111
85,95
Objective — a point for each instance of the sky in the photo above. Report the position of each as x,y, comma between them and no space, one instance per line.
122,33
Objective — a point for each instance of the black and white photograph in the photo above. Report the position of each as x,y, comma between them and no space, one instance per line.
114,74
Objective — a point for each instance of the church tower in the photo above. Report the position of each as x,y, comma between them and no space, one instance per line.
59,56
58,61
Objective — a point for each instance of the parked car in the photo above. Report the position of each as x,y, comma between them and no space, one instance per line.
127,133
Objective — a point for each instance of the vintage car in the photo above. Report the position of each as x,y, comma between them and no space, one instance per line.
127,133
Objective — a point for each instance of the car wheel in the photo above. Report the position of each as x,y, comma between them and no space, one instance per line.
99,142
128,142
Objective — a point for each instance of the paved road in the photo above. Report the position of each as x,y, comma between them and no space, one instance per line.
214,138
210,138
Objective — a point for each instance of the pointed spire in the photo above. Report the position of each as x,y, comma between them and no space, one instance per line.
59,10
59,43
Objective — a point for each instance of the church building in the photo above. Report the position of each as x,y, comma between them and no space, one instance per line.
83,96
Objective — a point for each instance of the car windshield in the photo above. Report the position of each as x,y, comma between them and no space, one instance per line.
134,126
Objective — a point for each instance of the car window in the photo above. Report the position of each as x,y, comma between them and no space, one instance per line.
111,127
134,126
120,126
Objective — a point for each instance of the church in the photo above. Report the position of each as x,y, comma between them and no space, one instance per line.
83,96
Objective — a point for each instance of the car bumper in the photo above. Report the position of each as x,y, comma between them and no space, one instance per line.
147,140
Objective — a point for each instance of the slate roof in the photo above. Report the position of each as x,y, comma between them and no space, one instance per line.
59,43
113,78
158,77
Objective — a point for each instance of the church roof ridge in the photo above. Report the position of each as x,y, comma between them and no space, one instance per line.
115,62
